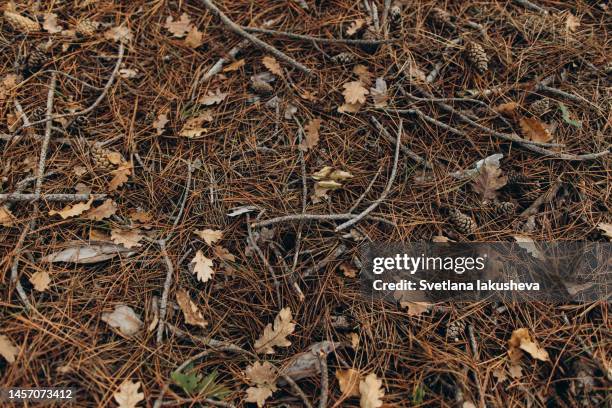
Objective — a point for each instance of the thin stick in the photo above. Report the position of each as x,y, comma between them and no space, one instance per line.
385,15
298,241
256,41
87,84
341,249
296,388
313,217
387,189
251,240
575,98
529,5
20,197
405,150
45,144
324,380
438,66
367,190
105,90
15,266
544,198
304,37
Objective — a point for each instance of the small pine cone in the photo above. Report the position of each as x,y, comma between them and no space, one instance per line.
463,223
261,87
455,329
395,16
504,208
38,114
440,17
100,157
20,23
477,56
86,28
36,58
370,35
344,58
515,178
540,107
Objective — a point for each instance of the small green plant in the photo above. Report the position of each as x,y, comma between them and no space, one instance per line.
192,383
418,395
565,113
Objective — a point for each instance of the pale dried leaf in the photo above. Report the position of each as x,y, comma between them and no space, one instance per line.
160,123
262,374
489,180
81,253
530,246
272,65
72,210
416,308
128,73
371,392
213,98
571,22
104,210
50,23
190,310
125,319
195,38
604,227
507,109
40,280
350,107
311,133
379,93
522,339
354,340
202,267
348,270
209,236
355,26
535,130
468,404
354,92
349,382
127,396
6,217
515,370
120,176
500,374
258,395
140,216
276,336
193,127
120,34
180,27
127,238
364,75
8,349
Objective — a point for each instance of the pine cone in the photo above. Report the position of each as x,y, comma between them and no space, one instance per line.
370,35
395,16
463,223
261,87
87,28
344,58
36,58
455,329
504,208
440,17
515,178
540,107
20,23
100,157
477,56
38,114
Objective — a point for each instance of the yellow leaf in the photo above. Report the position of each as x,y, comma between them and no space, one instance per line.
8,349
535,130
209,236
371,392
272,65
40,280
349,382
354,92
72,210
128,396
276,336
202,267
311,131
105,210
190,310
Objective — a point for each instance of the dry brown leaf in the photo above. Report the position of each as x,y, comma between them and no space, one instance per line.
350,107
8,349
354,340
125,319
213,98
6,217
604,227
535,130
81,253
194,39
140,216
160,123
234,66
209,236
223,253
190,310
258,395
40,280
180,27
120,34
121,176
371,392
276,336
272,65
193,127
50,23
416,308
530,246
105,210
364,75
355,26
509,109
515,370
348,270
98,235
202,267
72,210
128,73
349,382
500,374
127,238
571,22
127,396
521,339
489,180
379,93
311,133
354,92
262,374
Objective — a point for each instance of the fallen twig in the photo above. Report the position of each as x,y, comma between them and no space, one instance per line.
405,150
296,388
298,240
324,380
253,243
433,74
366,191
314,217
20,197
385,193
544,198
256,41
341,249
45,143
15,266
305,37
529,5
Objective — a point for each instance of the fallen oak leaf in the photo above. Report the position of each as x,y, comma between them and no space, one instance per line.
379,93
535,130
6,217
364,75
190,310
160,123
50,23
194,38
263,376
349,382
180,27
121,176
521,339
213,98
202,267
209,236
72,210
276,336
272,65
40,280
127,396
124,319
127,238
311,134
119,34
489,180
8,349
371,392
235,66
354,92
104,210
223,253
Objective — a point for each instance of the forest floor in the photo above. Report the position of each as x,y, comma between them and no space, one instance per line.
149,149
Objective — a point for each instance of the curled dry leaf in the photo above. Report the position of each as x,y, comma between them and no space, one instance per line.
311,134
213,98
535,130
276,336
50,23
8,349
194,38
80,253
354,92
127,396
272,65
180,27
202,267
190,310
209,236
364,75
258,395
509,109
379,93
128,73
104,210
521,339
371,392
125,319
349,107
40,280
127,238
530,246
571,22
193,127
72,210
349,382
348,270
306,364
235,66
223,253
489,180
